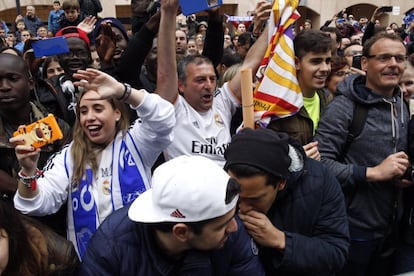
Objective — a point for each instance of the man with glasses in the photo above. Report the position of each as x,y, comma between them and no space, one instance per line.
186,224
78,58
371,166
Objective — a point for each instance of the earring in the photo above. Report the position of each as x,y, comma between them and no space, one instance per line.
117,119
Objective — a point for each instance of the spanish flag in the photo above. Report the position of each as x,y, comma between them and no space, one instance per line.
278,93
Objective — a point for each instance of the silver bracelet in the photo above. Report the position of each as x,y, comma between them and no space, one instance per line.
127,92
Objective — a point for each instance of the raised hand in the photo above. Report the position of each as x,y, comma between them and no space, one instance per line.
88,24
260,15
106,43
103,84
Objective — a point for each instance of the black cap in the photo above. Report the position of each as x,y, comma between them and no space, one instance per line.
261,148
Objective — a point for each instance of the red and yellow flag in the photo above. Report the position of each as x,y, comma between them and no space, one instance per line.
278,93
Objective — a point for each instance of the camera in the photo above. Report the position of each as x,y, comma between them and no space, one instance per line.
386,9
356,61
409,174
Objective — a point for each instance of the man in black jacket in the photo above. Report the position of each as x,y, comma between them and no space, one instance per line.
291,205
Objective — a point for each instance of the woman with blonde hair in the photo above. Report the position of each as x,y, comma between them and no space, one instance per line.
107,165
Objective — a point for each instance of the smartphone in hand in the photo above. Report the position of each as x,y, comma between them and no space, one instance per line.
41,132
385,9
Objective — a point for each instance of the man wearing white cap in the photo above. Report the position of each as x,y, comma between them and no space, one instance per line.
184,225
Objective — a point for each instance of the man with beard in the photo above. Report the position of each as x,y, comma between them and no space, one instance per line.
31,20
181,44
370,170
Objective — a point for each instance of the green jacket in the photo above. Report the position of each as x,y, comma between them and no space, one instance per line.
300,125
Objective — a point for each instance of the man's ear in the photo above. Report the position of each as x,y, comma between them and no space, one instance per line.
181,232
181,86
297,63
281,185
31,82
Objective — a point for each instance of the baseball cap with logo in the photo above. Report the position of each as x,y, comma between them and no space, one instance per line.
186,189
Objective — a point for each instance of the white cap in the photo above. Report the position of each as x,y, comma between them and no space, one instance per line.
184,189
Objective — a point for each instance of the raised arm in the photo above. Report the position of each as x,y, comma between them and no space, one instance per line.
129,68
213,43
167,80
256,52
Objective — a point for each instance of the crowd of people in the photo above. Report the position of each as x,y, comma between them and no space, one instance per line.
152,176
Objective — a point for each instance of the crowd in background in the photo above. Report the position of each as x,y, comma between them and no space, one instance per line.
131,113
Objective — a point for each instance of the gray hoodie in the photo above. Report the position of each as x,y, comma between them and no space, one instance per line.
370,206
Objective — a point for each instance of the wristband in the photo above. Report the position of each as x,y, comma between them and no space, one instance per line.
30,181
127,92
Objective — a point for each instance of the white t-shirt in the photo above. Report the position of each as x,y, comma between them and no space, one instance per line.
206,134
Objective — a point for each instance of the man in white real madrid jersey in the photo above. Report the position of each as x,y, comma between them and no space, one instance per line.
203,112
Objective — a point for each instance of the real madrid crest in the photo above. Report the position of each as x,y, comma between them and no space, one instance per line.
218,120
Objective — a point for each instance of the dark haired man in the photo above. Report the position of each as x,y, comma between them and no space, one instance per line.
184,225
370,169
313,52
291,205
203,112
62,102
16,109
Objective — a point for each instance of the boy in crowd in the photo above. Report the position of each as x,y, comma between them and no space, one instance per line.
72,15
53,24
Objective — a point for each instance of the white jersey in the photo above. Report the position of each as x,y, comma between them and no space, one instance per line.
206,134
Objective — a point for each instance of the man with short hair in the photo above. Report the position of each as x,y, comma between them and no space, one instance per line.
352,50
16,109
186,224
203,112
291,205
313,53
181,42
31,20
369,169
78,58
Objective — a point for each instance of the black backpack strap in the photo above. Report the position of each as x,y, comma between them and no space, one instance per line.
359,117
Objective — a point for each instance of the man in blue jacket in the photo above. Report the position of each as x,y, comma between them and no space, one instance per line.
370,170
185,224
291,205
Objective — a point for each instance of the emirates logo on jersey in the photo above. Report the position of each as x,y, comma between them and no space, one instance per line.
177,214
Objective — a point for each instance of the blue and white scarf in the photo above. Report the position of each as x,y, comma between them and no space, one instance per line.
126,184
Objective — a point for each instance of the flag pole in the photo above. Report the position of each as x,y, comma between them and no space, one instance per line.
247,97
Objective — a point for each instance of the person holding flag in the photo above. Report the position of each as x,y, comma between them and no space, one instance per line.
289,96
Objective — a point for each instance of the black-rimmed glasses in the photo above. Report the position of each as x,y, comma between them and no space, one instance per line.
384,58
